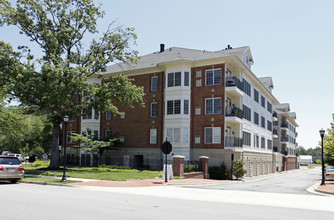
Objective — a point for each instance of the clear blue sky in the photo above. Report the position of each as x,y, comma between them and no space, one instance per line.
291,40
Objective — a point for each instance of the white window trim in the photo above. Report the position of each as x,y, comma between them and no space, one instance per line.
153,139
213,106
213,82
213,137
152,103
153,77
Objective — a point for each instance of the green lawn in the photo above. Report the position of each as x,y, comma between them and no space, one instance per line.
96,173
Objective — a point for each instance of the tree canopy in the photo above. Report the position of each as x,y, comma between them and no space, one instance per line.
21,132
48,84
329,144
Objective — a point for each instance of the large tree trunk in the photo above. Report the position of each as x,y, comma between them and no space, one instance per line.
54,164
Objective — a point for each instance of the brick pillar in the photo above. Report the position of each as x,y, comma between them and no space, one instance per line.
205,166
178,166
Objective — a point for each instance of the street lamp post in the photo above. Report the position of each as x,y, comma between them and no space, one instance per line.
322,133
66,118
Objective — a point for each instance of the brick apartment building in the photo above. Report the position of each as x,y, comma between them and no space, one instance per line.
206,103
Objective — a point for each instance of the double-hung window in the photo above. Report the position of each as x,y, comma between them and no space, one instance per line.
263,143
213,106
173,107
186,78
213,77
247,113
153,136
263,122
263,101
173,135
247,87
269,125
87,113
174,79
108,115
186,107
107,134
256,118
256,96
154,109
269,107
246,138
213,135
154,83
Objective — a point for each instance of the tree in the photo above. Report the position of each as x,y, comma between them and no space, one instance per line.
49,84
329,144
21,132
89,143
301,151
238,169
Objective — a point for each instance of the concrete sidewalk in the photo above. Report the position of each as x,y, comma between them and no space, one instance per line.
328,188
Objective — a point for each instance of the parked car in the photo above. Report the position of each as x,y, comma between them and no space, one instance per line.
19,156
11,169
329,174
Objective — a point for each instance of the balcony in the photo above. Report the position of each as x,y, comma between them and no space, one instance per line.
234,86
275,134
232,141
275,118
284,126
284,139
233,115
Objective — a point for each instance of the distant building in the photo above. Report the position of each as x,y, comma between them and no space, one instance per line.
305,159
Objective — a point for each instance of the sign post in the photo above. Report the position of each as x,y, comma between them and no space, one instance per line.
166,148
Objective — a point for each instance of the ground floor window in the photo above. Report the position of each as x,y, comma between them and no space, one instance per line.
173,135
213,135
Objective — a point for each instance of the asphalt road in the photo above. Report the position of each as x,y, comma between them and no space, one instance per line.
30,201
291,182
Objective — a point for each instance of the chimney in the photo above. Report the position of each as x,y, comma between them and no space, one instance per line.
162,48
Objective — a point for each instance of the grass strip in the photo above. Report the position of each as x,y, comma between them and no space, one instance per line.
47,180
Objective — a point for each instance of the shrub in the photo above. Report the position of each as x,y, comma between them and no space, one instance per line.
114,167
190,168
40,163
218,172
318,161
238,169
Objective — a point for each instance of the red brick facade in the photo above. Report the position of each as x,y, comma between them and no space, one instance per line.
198,96
136,125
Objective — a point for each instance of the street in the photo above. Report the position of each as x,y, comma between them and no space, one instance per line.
236,201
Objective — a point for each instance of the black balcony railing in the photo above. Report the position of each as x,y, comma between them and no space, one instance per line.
233,111
284,152
232,141
275,114
233,81
284,125
275,132
284,139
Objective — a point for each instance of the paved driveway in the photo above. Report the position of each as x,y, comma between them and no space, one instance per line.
291,182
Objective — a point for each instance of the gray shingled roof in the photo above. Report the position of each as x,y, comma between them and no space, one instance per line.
170,55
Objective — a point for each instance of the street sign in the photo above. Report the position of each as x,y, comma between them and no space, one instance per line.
166,147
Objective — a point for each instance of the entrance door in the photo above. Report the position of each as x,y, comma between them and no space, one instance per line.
138,161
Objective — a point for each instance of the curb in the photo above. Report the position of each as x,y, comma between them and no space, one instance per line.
44,183
323,191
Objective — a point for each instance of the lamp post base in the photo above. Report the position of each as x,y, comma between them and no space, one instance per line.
63,179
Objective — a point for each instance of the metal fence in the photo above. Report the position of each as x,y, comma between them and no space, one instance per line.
192,166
